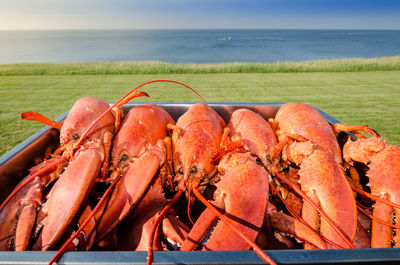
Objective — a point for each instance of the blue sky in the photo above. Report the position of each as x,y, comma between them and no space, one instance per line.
199,14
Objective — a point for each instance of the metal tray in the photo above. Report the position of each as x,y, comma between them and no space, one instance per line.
14,166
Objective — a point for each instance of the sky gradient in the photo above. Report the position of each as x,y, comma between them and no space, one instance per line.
200,14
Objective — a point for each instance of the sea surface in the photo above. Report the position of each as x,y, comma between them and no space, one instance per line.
194,46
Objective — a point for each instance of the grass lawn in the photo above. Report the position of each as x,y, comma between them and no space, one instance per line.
370,97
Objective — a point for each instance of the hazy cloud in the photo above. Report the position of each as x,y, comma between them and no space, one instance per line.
45,14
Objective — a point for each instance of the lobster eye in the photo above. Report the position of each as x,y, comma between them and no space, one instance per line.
74,136
193,170
180,171
122,158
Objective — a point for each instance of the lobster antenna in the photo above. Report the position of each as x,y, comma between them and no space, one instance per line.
121,101
375,218
34,116
376,198
338,230
256,248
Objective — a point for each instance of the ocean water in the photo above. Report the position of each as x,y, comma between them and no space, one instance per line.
195,46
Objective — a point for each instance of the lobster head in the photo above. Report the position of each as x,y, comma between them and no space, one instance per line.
143,126
196,138
84,112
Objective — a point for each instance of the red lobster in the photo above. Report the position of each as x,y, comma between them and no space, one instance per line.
138,153
308,141
257,137
196,139
76,181
242,196
96,149
383,162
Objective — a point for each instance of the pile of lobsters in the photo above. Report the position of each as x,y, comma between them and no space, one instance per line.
198,183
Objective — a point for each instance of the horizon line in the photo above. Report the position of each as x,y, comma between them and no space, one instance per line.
38,29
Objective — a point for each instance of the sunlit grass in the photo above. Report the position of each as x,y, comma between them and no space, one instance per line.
100,68
353,97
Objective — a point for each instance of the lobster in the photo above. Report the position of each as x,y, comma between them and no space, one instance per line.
74,184
96,148
308,140
87,152
139,152
383,163
196,138
242,196
258,137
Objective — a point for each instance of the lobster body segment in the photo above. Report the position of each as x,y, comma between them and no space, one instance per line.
383,161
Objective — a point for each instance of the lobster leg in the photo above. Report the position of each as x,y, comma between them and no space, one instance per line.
339,127
26,223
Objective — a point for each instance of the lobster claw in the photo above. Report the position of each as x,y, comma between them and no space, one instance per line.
68,193
242,195
382,160
131,188
135,231
323,181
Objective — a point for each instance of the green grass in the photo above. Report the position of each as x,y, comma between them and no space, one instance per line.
101,68
352,97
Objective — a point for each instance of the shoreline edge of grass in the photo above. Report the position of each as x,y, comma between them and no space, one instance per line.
155,67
